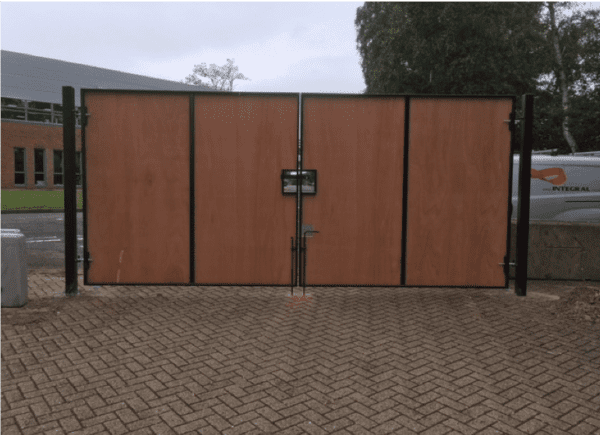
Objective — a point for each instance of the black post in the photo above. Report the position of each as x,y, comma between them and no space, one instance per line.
301,263
70,190
524,197
293,264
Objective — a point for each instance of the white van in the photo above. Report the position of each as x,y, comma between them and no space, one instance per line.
563,188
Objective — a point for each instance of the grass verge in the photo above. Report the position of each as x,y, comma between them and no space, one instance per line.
14,200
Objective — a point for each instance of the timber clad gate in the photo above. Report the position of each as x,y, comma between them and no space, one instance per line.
202,189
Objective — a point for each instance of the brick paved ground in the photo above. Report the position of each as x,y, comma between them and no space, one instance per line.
247,360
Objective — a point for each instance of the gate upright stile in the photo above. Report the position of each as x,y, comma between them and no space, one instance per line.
186,188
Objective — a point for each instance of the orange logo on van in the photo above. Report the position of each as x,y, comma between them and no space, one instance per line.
546,174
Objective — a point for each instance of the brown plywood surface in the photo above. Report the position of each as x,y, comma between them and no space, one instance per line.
459,152
138,159
357,147
243,222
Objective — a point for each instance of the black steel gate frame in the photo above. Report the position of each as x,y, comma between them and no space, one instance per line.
407,99
296,275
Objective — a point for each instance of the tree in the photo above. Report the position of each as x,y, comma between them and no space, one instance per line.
451,48
560,72
221,77
575,66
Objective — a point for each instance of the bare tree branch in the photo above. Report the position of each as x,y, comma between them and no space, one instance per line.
221,77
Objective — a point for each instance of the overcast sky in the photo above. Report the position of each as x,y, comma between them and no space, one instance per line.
281,47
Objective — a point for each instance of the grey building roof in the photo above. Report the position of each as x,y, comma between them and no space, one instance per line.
36,78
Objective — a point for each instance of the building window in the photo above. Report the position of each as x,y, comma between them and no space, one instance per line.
35,111
39,112
20,166
39,157
13,109
57,113
58,168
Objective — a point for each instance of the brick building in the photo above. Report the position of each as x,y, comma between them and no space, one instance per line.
32,135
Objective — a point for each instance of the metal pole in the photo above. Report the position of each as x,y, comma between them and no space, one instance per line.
524,197
70,190
299,191
301,263
293,264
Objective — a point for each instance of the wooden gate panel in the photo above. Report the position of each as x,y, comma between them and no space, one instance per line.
459,157
138,187
243,222
356,144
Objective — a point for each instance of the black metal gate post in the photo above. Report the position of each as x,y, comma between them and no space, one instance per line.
70,190
293,281
524,197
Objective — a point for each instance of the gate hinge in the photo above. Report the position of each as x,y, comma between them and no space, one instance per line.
84,116
86,259
512,122
506,264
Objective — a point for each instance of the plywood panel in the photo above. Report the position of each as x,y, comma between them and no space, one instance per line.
357,147
459,152
138,159
243,222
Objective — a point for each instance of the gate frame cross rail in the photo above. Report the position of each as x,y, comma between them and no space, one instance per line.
70,181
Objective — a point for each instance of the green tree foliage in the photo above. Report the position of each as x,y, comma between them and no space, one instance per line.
221,77
488,48
450,48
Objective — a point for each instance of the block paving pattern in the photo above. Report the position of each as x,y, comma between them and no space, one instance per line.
253,360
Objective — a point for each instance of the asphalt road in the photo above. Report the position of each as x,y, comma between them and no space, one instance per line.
45,237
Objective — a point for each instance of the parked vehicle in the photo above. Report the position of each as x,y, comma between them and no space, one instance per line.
563,188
